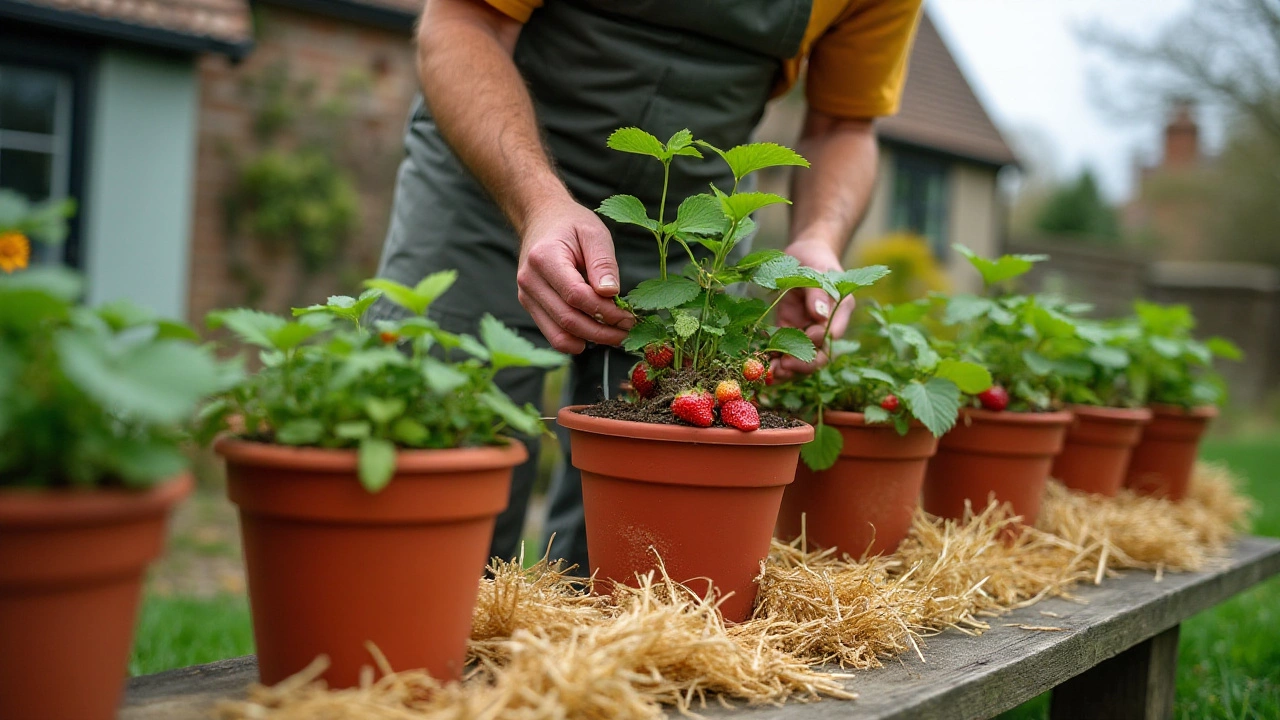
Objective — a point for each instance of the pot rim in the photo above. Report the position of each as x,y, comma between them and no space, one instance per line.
345,460
1206,412
26,507
1102,413
569,418
1053,417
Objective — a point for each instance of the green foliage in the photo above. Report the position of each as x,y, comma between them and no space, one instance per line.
891,356
1079,210
330,381
1168,364
298,199
93,397
46,222
708,328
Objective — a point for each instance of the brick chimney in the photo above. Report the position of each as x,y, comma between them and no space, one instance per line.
1181,136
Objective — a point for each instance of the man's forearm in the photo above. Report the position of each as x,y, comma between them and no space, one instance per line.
481,105
831,197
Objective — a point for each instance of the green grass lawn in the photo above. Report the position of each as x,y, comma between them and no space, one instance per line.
1229,657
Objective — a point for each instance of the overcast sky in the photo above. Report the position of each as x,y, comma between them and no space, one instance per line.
1034,75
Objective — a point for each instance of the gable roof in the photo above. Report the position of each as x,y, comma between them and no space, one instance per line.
221,26
939,110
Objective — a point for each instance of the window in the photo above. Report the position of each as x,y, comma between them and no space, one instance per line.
35,136
919,202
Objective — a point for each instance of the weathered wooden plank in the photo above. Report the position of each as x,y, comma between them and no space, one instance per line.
964,677
1137,684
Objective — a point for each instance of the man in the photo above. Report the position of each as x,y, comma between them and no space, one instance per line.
506,161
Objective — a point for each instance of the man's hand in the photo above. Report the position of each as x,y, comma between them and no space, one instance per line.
559,245
809,309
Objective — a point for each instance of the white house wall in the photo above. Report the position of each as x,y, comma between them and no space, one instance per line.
973,220
140,171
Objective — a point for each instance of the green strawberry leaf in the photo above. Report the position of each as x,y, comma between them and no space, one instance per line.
522,419
649,330
627,209
635,140
971,378
1003,268
508,349
1108,357
376,463
823,450
685,324
935,403
700,215
875,414
660,294
300,431
1224,348
793,342
846,282
739,205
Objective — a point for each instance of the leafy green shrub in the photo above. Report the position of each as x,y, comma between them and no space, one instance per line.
330,381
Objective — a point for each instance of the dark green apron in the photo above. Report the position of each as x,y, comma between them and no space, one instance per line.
591,66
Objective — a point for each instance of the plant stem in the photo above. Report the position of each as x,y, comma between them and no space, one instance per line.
662,208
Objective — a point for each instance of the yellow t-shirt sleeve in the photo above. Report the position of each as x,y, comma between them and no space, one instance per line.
518,10
858,67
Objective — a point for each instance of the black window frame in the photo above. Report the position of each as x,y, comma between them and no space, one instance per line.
918,167
33,46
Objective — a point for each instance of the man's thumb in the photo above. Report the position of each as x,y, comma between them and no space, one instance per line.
819,304
599,261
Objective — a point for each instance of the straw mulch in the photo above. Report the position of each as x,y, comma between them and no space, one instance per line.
543,646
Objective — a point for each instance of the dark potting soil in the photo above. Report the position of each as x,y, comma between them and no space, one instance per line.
657,409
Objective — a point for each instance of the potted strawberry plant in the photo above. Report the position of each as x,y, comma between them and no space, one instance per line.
1004,443
879,408
92,403
368,466
687,468
1107,408
1176,372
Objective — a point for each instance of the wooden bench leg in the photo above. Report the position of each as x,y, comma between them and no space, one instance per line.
1137,684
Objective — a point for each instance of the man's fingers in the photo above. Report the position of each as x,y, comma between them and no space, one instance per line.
559,272
598,259
840,323
556,335
571,320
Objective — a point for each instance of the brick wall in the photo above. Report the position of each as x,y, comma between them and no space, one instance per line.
324,51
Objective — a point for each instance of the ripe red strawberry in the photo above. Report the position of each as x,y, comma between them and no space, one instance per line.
740,414
659,356
728,390
387,337
696,407
768,377
643,379
752,369
994,398
890,402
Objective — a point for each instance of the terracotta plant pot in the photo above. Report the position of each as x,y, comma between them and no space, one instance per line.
1099,442
863,503
705,500
1163,461
331,566
1002,454
71,568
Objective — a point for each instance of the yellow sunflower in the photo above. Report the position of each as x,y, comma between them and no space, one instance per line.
15,251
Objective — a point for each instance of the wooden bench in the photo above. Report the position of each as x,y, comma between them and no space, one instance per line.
1115,656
